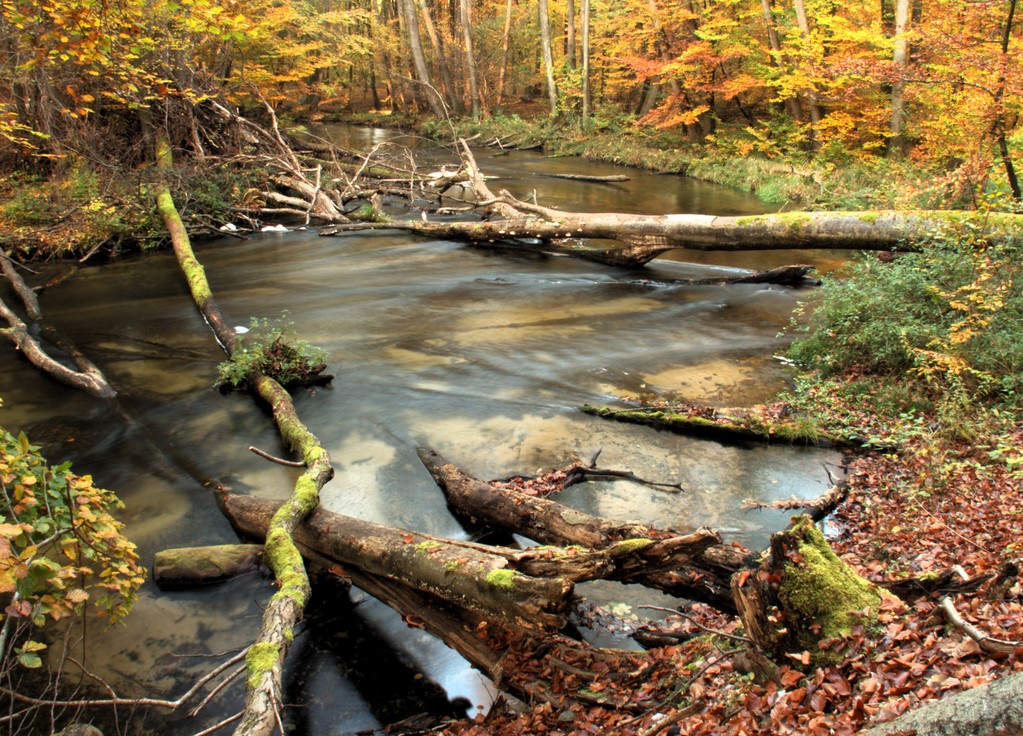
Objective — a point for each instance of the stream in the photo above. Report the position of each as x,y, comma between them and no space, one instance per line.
483,355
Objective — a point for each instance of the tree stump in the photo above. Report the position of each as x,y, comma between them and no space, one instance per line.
804,599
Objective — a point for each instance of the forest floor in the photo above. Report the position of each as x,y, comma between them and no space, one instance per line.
907,513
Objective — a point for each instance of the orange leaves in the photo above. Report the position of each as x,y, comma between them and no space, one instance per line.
53,553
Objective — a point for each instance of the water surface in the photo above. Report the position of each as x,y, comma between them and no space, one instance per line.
483,355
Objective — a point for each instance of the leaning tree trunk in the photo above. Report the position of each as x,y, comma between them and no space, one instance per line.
265,659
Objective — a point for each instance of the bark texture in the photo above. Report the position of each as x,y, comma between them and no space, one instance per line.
190,566
88,377
994,709
520,225
695,566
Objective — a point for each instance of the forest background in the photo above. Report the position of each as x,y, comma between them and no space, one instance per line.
865,105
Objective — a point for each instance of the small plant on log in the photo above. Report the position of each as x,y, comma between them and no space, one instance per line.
271,349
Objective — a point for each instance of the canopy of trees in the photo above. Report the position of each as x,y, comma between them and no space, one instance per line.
940,83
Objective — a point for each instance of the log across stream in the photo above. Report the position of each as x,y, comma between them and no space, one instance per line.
483,356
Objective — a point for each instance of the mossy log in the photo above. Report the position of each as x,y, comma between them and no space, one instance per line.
265,658
531,589
803,597
695,566
517,224
191,566
730,424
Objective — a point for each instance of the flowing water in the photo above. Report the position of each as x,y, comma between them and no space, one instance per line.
483,355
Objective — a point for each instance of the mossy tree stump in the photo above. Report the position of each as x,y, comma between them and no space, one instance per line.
803,597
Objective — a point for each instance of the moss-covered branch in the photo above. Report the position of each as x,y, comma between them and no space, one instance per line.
266,657
736,424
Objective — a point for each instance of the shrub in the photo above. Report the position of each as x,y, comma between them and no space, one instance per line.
60,547
943,323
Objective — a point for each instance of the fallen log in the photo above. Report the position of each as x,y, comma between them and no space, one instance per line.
265,659
86,376
732,424
587,177
531,591
701,573
190,566
993,708
645,237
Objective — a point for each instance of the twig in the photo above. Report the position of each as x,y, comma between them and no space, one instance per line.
116,700
213,693
278,460
987,643
670,720
217,726
697,624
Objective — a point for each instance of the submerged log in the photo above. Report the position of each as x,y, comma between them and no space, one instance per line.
733,424
700,572
191,566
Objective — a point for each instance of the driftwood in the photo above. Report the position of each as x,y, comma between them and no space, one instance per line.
190,566
587,177
516,224
704,576
86,376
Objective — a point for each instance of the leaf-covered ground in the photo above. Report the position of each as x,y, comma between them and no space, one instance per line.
906,514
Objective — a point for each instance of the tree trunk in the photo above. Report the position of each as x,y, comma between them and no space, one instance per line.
88,377
900,58
587,102
548,55
191,566
530,590
454,98
570,33
504,52
648,236
994,708
804,596
265,659
791,103
470,58
811,94
1000,124
419,60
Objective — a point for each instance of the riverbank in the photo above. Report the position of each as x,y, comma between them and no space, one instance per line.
794,180
78,212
